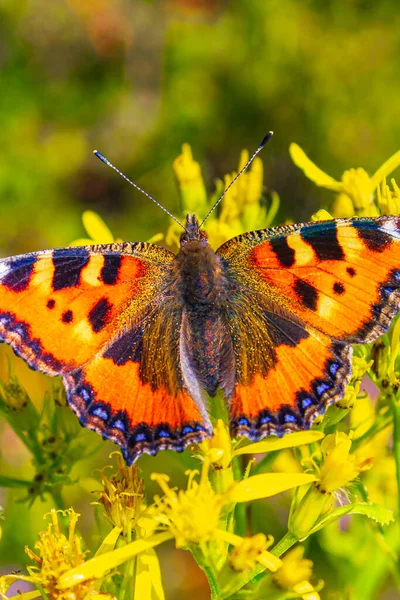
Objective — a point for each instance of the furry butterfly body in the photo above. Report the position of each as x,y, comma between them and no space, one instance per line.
140,335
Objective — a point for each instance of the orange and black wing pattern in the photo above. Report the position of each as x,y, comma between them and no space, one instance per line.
91,314
304,293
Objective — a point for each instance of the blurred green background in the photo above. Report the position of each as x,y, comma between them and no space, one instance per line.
136,79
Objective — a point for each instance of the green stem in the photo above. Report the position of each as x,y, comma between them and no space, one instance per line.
129,570
209,573
55,493
396,443
284,544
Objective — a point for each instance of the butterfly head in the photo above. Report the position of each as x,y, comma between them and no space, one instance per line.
192,232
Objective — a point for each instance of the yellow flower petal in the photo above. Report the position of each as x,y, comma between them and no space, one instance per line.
388,167
32,595
96,228
273,209
343,206
311,170
109,541
96,567
155,238
266,485
188,174
299,438
148,583
306,591
252,549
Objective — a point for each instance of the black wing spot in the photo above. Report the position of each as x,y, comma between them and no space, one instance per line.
323,239
283,331
129,347
338,288
373,237
51,303
110,271
307,294
68,265
67,316
284,253
99,315
352,272
19,276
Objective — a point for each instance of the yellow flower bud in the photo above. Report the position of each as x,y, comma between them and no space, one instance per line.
218,448
321,215
190,180
244,556
343,206
305,514
339,466
294,570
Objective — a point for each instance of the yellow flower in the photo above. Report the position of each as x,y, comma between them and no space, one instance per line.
295,573
192,515
241,208
96,229
321,215
218,448
56,554
356,188
388,200
99,233
123,496
248,551
197,515
336,469
336,412
191,184
339,467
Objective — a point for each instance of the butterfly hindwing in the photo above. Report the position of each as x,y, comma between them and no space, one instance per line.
317,288
286,372
142,403
92,314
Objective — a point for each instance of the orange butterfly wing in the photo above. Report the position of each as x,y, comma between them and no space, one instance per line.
90,314
312,289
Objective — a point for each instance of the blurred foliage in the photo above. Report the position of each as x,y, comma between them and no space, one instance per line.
136,79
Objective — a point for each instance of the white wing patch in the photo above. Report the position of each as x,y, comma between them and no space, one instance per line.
5,268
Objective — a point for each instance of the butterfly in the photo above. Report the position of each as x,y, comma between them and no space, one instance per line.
141,335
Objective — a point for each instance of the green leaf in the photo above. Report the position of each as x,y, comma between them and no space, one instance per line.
12,482
378,513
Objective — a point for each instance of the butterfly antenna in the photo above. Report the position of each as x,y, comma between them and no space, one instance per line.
109,164
260,147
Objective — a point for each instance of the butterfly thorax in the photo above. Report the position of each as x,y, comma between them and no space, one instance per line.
198,269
